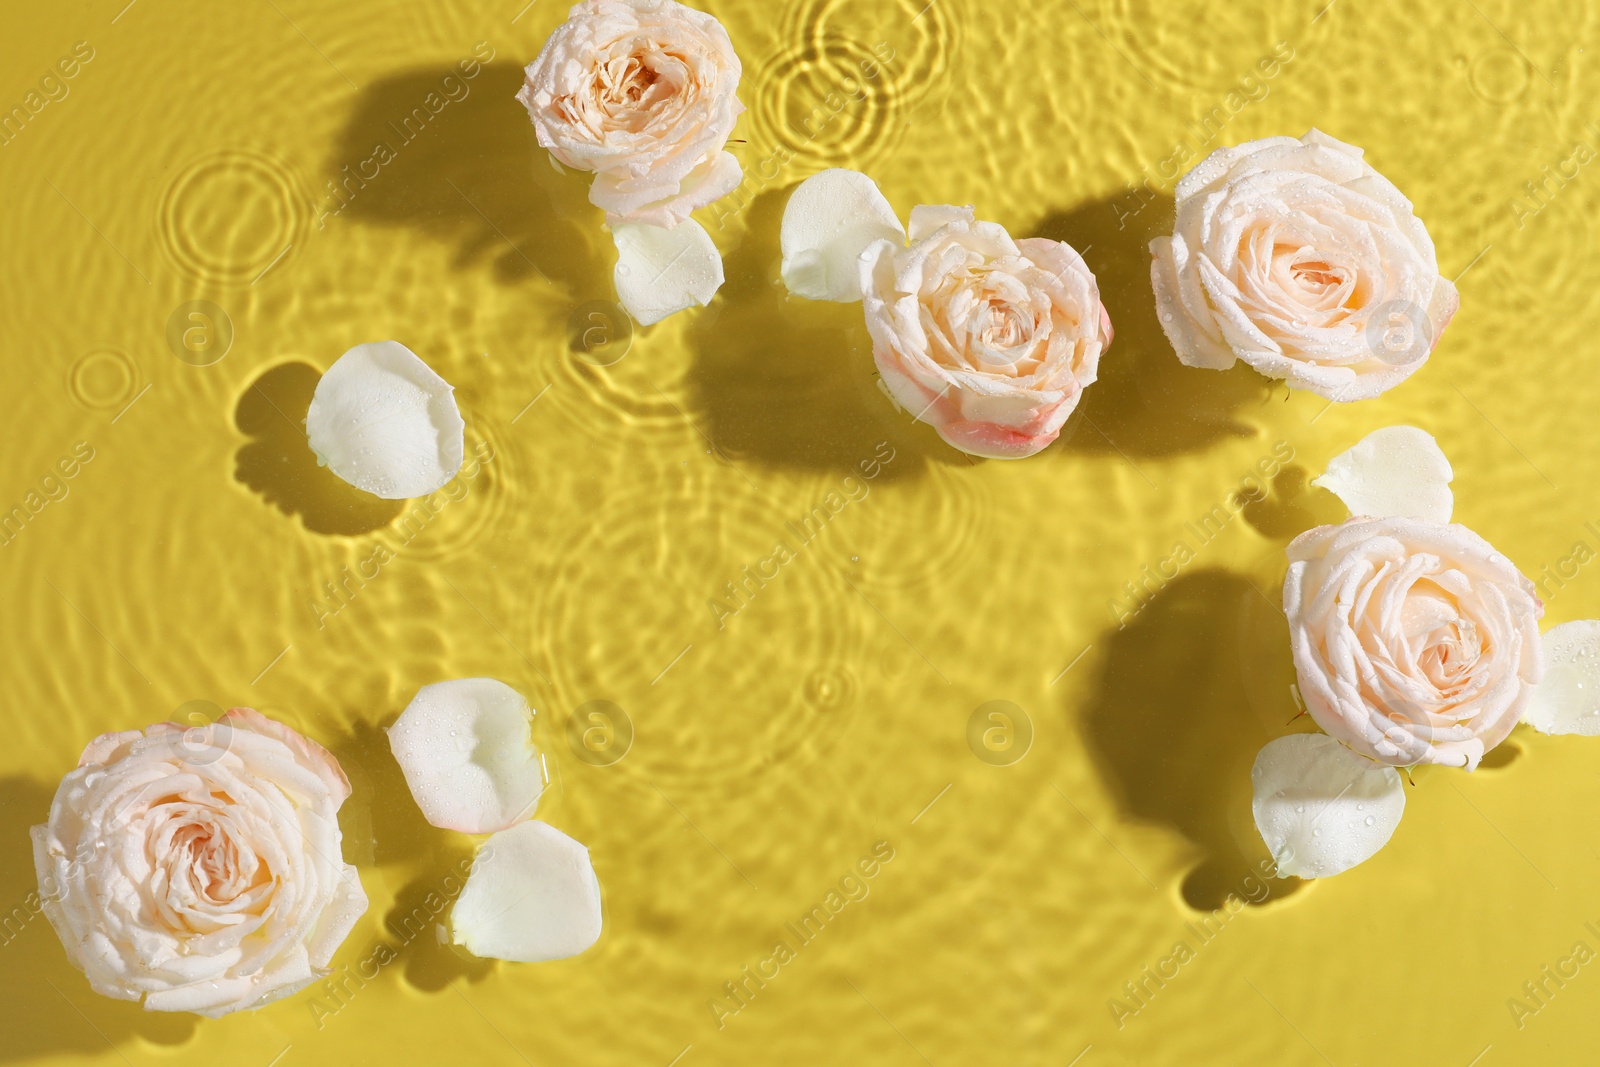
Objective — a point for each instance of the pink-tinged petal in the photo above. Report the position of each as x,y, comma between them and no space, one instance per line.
307,752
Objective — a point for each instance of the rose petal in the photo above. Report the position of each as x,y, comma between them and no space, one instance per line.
1395,472
384,422
662,272
1568,700
466,750
532,896
829,221
1321,808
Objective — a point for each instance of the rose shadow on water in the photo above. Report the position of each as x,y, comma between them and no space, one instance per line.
1174,730
472,174
790,383
42,992
1145,402
383,819
278,462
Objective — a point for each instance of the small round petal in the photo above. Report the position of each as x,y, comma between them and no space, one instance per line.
387,424
829,221
466,750
661,272
1395,472
1568,700
532,896
1321,808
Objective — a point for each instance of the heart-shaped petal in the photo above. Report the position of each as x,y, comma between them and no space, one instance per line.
387,424
1321,808
466,750
1568,700
1395,472
829,221
661,272
532,896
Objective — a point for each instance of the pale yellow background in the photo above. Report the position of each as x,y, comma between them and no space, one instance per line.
190,162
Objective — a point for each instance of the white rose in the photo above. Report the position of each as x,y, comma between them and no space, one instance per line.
1414,641
642,94
990,340
200,868
1299,258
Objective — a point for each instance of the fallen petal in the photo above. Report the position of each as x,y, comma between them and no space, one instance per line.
387,424
1568,700
829,221
1321,808
1395,472
661,272
532,896
466,750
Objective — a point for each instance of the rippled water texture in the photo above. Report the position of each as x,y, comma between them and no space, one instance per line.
994,675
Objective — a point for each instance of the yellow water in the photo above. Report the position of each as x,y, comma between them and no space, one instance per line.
830,717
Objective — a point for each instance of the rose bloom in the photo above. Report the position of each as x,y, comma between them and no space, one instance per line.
1297,257
1415,642
991,341
640,92
199,867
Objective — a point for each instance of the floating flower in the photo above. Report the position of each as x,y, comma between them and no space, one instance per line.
199,868
988,339
1299,258
532,896
642,93
387,424
1415,641
466,750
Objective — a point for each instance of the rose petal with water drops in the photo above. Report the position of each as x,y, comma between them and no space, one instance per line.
661,272
829,221
1320,808
386,423
1568,700
466,750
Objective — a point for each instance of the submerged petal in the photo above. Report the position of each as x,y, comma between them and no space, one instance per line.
1568,700
1395,472
661,272
532,896
829,221
387,424
466,750
1321,808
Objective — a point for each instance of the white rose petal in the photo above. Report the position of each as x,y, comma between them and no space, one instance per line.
532,896
1568,700
829,221
466,749
1321,808
1395,472
661,272
387,424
